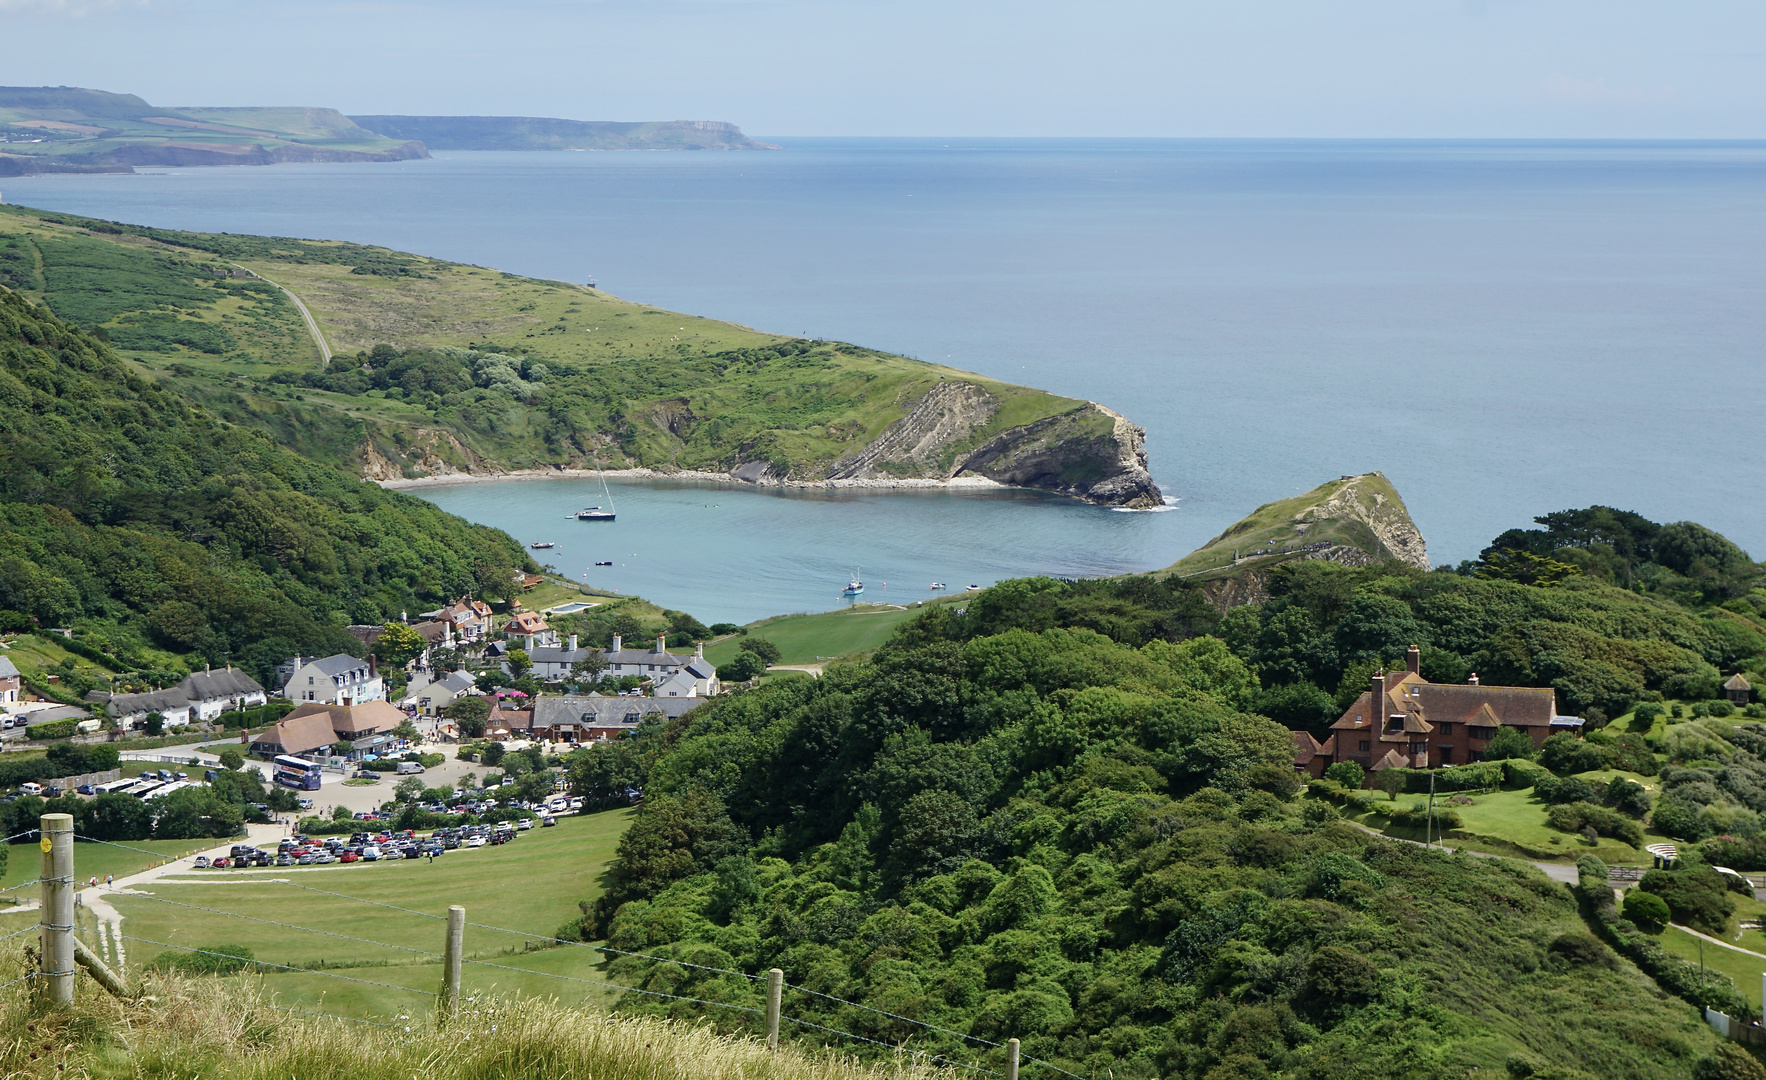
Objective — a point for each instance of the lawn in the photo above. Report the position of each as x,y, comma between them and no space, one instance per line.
527,888
1513,823
24,861
803,638
1744,970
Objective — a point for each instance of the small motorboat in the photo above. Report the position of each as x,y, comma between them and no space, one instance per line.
973,588
541,545
607,562
939,585
853,587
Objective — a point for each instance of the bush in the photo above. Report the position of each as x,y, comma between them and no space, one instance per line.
1519,773
1417,817
1509,743
1673,974
1347,773
1565,754
53,729
1747,853
1646,909
1697,897
1644,716
1728,1061
1577,816
1557,790
208,960
1679,819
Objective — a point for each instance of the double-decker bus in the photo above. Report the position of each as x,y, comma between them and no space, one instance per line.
298,773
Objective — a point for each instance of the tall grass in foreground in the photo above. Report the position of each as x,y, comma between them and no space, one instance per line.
227,1029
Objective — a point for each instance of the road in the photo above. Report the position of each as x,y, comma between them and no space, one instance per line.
307,316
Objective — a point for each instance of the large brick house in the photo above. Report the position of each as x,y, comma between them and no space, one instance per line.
1405,721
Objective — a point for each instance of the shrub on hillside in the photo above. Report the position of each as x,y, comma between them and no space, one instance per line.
1565,755
207,960
1646,909
1698,897
1417,817
1577,816
1563,789
1509,743
1679,819
1347,773
1671,972
1746,853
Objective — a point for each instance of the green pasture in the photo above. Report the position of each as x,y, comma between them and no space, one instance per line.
802,638
529,887
1742,968
24,861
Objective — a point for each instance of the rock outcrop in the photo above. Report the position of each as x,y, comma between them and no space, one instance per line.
1089,452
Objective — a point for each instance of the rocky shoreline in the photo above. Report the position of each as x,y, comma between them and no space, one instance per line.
957,483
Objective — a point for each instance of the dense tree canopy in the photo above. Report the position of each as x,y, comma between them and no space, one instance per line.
127,511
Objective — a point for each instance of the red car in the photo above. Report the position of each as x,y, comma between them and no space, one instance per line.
221,863
348,856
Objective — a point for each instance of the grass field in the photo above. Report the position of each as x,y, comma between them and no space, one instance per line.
529,887
1742,969
24,861
1336,512
802,638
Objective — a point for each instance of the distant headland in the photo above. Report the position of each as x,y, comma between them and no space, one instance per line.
66,129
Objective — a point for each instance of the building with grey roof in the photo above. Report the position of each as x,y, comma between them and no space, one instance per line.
10,682
199,698
333,680
581,719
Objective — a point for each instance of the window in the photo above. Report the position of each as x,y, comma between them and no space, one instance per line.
1365,745
309,680
1446,727
1445,753
1480,732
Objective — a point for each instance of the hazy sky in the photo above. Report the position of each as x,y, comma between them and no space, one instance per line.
1469,68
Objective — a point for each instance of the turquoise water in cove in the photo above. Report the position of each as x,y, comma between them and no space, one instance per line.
1504,329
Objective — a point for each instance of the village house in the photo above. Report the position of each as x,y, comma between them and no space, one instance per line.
333,680
469,619
364,726
201,697
432,698
10,682
299,736
551,662
1405,721
697,679
657,663
588,718
528,630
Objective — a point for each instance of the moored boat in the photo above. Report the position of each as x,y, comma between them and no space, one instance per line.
539,545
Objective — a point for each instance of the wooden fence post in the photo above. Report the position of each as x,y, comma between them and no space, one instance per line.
449,1005
775,990
57,917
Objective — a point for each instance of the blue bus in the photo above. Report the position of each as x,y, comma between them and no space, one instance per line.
298,773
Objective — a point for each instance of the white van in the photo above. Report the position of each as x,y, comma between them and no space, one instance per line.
29,788
409,768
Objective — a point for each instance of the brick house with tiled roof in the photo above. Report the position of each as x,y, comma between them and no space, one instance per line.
1405,721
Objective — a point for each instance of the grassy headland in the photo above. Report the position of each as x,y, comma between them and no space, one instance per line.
445,368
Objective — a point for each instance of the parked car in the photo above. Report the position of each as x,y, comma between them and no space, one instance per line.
86,789
366,775
371,853
524,823
285,859
548,821
348,857
475,841
221,863
201,862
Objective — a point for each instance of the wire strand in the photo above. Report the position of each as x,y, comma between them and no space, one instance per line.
281,967
938,1058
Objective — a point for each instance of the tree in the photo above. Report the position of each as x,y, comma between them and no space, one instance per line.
342,748
231,758
1509,743
1390,781
409,790
492,754
406,730
470,715
118,816
399,644
1347,773
519,663
761,647
745,666
155,724
590,667
1565,754
1646,909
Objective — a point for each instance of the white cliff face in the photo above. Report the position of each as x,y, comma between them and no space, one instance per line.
1362,499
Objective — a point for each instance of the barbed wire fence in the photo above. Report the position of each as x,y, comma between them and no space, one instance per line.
772,1016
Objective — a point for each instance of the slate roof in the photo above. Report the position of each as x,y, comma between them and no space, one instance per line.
554,654
701,668
455,682
645,657
7,671
606,712
340,664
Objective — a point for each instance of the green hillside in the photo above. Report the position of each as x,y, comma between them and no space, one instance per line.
67,129
158,529
988,832
1353,519
443,367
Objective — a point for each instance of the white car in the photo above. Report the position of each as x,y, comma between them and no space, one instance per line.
475,841
524,823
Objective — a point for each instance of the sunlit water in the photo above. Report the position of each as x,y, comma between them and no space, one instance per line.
1504,329
735,554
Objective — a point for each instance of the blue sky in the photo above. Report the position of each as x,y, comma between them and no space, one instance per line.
1252,68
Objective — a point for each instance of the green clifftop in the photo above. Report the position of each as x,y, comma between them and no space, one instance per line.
443,368
47,129
1355,520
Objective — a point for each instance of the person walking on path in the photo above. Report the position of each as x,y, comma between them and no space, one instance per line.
107,880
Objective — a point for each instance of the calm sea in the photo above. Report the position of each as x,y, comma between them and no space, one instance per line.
1504,329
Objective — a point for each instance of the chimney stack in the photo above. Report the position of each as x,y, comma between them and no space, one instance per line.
661,643
616,643
1413,660
573,643
1473,680
699,649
